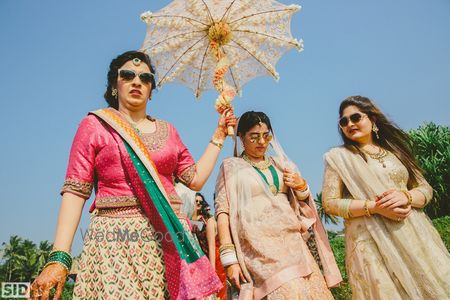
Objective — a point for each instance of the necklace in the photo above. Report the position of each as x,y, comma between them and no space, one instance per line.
380,155
135,124
266,164
262,165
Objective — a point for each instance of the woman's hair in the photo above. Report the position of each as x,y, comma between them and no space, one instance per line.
250,119
204,206
114,67
391,137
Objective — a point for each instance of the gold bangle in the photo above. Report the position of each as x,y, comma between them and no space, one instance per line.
366,208
226,246
408,195
216,143
302,187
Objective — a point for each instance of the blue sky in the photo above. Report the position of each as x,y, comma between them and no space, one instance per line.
55,54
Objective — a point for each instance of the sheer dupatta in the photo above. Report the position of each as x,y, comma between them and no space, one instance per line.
189,274
232,174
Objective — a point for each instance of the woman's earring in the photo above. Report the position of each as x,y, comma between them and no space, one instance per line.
375,130
114,93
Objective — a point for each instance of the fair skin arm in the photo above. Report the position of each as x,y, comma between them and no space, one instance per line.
54,275
211,238
206,163
234,272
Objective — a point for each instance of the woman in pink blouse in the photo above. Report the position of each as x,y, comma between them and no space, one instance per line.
136,247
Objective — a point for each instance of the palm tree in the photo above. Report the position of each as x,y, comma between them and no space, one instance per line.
28,260
11,255
326,218
42,254
22,260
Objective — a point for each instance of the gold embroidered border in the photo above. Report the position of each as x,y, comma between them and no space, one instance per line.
77,187
187,175
116,201
121,212
157,140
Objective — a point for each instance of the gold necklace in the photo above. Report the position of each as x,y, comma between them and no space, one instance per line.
262,165
380,155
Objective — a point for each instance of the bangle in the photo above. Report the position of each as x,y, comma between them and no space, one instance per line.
408,195
216,143
228,259
61,257
302,187
226,247
366,208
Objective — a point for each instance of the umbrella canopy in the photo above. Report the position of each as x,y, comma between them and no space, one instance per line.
221,44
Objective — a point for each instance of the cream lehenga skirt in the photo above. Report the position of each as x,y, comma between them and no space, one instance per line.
122,258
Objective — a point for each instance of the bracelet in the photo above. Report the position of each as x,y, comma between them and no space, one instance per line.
302,187
226,247
408,195
216,143
62,257
228,259
366,208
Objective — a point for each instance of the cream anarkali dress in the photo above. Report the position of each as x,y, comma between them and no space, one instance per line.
385,259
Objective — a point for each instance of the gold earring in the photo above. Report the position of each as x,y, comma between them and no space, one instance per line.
375,130
114,93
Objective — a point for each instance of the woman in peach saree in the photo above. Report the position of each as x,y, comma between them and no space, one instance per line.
267,220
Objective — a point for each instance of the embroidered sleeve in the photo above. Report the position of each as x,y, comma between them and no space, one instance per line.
332,194
186,169
80,170
425,188
302,195
187,175
221,200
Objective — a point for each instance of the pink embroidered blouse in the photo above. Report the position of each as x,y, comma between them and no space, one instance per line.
95,161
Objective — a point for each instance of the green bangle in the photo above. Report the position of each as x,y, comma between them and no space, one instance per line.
62,257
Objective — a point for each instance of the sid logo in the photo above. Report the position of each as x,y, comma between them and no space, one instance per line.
15,290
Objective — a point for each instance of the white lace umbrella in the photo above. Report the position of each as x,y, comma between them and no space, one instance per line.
220,44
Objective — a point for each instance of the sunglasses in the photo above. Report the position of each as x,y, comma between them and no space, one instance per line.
254,137
355,118
128,75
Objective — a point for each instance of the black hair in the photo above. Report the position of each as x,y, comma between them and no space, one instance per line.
114,67
204,206
391,137
250,119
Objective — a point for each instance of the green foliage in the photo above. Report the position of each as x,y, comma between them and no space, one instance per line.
443,227
326,218
343,292
431,145
22,259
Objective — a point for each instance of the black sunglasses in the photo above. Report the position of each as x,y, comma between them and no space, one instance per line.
355,118
128,75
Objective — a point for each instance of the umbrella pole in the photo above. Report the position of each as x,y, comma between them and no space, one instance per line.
226,91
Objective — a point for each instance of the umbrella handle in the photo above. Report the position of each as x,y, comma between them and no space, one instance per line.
230,130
